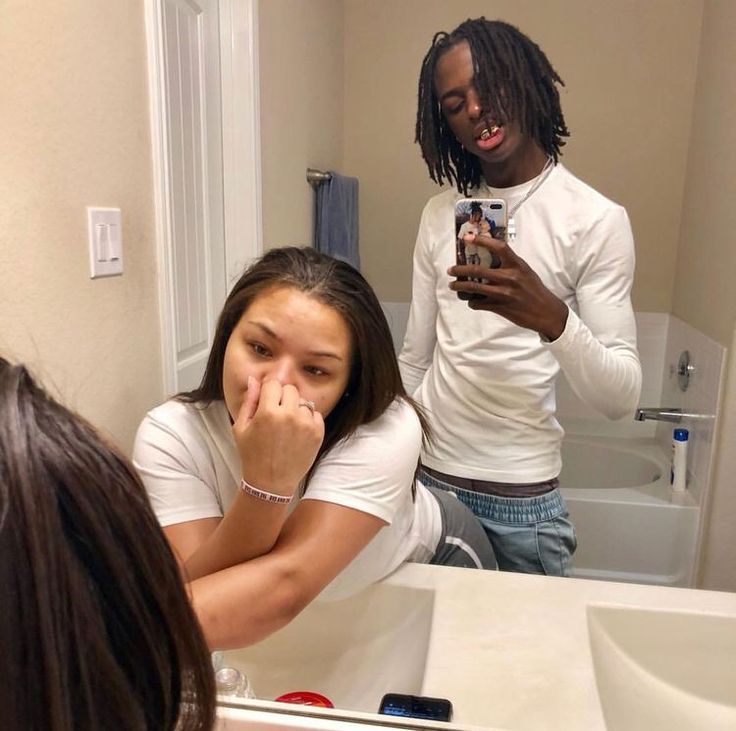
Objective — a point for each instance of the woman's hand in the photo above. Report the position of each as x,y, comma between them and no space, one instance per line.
278,435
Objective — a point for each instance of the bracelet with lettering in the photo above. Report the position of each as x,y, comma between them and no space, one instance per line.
268,497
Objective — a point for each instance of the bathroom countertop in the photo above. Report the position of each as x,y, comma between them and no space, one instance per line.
512,652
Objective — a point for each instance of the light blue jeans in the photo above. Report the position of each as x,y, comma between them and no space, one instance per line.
531,535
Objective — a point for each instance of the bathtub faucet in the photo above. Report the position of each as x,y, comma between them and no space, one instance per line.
670,414
657,414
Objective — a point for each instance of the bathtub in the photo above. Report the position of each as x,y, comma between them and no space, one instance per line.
630,525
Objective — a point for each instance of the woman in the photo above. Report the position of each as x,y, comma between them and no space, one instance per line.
301,394
96,629
467,233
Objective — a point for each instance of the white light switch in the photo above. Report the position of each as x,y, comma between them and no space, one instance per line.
105,242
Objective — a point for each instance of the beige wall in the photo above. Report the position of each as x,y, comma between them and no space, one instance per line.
75,132
705,292
301,90
630,72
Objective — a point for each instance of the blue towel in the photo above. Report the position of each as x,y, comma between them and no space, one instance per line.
336,230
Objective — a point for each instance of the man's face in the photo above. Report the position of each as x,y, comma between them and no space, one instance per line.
482,132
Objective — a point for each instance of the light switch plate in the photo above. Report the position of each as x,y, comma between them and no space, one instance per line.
105,231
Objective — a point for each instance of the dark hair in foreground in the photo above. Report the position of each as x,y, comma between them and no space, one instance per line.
374,380
514,80
96,629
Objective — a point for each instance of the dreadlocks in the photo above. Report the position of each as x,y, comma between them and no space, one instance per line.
512,75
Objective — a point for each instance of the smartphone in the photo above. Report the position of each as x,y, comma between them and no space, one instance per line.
478,216
416,706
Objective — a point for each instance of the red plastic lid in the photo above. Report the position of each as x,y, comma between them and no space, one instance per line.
306,698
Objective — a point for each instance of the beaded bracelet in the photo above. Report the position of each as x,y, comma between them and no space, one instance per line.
268,497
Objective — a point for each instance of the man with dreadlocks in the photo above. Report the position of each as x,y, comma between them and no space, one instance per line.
489,122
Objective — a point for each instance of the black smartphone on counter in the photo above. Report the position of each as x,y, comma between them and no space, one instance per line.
416,706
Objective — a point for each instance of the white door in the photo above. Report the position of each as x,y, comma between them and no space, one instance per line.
196,215
203,239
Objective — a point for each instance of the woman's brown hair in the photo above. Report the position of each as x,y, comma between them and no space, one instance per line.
96,631
375,381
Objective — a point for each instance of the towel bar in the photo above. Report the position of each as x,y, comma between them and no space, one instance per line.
315,177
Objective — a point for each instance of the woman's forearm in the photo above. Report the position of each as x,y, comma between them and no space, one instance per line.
243,604
248,530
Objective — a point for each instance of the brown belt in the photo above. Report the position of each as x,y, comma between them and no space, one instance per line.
501,489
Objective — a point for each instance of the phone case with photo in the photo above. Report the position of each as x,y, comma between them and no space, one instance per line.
475,216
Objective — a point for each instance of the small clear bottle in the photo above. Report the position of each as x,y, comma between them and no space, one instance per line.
230,681
678,473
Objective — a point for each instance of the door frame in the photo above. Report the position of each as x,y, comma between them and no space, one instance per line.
241,155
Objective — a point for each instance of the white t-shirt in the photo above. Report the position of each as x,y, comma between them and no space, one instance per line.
471,250
488,384
484,257
188,461
468,228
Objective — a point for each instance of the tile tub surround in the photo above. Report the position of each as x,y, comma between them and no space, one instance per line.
397,314
661,339
702,397
512,651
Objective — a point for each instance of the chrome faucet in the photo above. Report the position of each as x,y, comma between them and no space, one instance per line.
668,414
657,414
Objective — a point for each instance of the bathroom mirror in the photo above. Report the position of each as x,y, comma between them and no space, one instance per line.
337,79
648,100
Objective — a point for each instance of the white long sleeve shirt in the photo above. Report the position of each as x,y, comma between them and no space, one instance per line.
489,385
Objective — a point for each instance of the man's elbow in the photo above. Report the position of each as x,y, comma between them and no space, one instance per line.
624,404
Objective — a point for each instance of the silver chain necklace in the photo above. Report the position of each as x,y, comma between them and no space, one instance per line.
543,175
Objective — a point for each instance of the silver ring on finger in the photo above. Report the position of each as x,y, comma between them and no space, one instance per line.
308,404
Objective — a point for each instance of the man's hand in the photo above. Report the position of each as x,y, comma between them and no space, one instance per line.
513,290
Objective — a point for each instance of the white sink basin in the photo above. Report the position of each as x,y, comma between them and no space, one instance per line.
352,651
673,671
